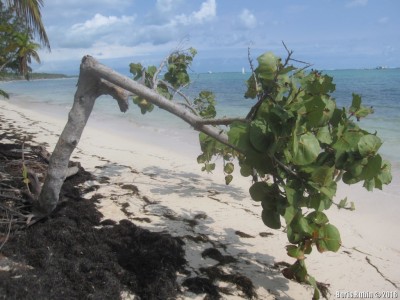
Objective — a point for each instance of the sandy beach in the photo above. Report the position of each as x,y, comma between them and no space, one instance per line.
205,213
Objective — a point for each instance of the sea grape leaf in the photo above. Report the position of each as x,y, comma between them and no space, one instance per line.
318,218
267,65
307,150
258,135
329,238
293,193
324,135
290,213
385,175
372,168
315,108
342,203
271,218
136,69
261,191
238,136
348,141
369,145
208,167
245,169
228,179
144,105
355,104
228,168
295,251
323,176
300,224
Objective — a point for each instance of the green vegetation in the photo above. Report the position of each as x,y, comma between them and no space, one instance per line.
4,76
19,22
295,142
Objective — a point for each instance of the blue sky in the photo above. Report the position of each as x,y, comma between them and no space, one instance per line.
331,34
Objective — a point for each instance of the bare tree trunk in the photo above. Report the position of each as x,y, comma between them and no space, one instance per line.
89,89
95,80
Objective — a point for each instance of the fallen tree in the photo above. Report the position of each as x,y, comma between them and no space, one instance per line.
294,141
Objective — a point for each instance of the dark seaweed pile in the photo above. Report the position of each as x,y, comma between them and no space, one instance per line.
72,255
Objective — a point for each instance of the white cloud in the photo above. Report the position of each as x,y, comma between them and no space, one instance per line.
357,3
207,11
248,19
97,29
100,21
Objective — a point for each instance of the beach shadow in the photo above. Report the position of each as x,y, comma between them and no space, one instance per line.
110,169
221,257
212,255
189,184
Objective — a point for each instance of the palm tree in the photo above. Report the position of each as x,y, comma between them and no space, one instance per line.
25,51
29,10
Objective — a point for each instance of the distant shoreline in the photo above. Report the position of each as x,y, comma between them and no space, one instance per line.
32,76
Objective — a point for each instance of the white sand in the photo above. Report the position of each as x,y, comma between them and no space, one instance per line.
170,180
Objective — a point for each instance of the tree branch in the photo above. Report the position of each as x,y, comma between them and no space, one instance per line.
95,80
100,71
223,121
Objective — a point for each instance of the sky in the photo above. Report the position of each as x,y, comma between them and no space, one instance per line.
330,34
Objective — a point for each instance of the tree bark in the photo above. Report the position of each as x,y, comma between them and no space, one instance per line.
89,89
95,80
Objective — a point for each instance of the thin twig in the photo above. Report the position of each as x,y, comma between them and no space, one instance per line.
186,98
160,67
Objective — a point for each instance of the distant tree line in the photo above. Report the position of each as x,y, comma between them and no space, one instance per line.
20,24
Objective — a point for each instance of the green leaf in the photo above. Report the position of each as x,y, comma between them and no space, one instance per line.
258,135
369,144
329,238
308,149
295,251
355,104
324,135
228,179
372,168
271,219
385,175
290,213
318,218
238,135
347,142
323,175
267,65
228,168
343,203
261,190
208,167
137,70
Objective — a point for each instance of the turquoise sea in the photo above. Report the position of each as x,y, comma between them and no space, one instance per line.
378,88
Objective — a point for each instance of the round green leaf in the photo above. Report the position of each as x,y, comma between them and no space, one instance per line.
228,168
267,65
369,145
228,179
329,238
308,149
259,191
318,218
271,219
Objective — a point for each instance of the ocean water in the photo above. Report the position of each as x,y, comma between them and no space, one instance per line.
378,88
